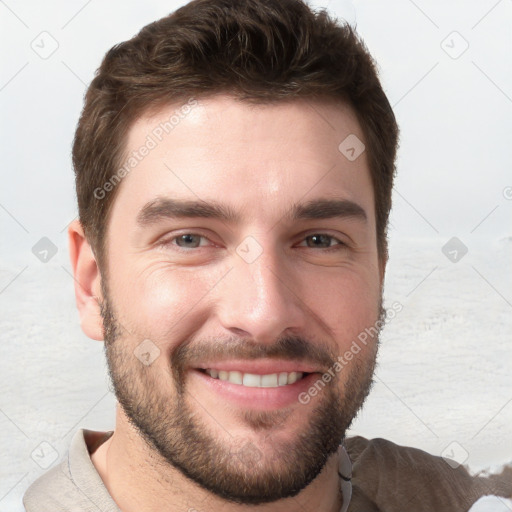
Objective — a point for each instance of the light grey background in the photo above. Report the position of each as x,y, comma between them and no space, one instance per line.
443,383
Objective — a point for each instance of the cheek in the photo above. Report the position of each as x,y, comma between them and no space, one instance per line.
166,303
349,303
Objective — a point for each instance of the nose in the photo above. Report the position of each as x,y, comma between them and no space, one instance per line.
261,299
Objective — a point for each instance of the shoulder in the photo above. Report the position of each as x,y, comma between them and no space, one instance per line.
74,483
396,477
53,491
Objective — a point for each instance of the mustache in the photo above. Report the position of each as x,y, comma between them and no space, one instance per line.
292,347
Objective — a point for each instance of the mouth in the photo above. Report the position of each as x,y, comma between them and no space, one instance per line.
254,380
259,385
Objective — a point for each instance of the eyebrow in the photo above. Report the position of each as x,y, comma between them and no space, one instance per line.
167,208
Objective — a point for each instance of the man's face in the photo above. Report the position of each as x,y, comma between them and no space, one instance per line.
284,285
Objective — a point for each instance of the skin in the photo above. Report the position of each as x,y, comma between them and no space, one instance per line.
204,298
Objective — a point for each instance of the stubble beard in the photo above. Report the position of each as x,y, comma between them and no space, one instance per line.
235,469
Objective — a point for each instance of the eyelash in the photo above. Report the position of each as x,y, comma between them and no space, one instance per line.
168,242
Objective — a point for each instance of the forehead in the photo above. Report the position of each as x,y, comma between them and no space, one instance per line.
257,159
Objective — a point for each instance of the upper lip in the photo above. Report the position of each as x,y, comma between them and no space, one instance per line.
260,366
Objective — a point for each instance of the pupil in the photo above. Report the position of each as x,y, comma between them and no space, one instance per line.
318,238
188,239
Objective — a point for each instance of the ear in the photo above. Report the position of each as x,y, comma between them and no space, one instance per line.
87,282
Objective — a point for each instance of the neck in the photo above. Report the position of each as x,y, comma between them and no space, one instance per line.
140,481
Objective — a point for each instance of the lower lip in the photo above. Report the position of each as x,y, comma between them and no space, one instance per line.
257,398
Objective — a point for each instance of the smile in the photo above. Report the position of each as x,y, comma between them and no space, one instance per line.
252,380
256,385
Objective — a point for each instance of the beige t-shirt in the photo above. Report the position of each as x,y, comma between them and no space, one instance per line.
385,478
73,485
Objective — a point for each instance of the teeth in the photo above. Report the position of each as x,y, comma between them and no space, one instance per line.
252,380
235,377
269,381
283,379
294,377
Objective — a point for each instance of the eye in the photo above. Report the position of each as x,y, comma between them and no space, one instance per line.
188,241
185,241
323,241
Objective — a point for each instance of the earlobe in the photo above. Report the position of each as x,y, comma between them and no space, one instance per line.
87,278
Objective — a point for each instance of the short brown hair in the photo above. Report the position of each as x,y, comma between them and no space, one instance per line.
259,51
